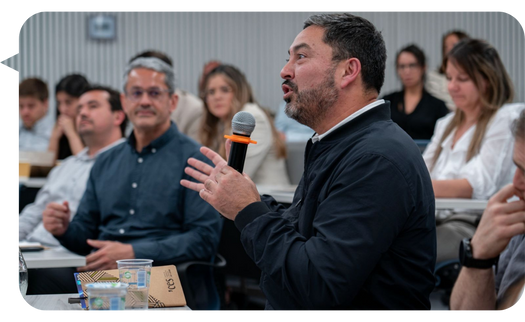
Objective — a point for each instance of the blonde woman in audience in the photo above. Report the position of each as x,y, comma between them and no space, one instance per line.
226,92
470,154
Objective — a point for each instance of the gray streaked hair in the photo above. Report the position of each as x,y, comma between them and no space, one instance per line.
518,127
153,64
354,37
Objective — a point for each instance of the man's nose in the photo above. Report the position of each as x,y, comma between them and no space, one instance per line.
287,72
145,100
24,111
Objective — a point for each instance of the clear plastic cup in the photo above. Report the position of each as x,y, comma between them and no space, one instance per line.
136,273
22,269
107,296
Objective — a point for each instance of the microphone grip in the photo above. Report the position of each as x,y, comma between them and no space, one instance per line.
237,156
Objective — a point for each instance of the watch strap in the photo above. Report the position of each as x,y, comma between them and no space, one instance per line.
466,258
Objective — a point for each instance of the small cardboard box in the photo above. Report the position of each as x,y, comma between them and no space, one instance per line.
24,169
35,163
165,289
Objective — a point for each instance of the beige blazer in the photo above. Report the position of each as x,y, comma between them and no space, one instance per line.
261,163
188,114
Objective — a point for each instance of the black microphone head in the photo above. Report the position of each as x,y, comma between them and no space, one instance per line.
243,123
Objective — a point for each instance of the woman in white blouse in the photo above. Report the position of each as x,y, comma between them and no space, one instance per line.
226,92
470,154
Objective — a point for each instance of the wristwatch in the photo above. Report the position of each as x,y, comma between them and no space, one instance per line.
467,260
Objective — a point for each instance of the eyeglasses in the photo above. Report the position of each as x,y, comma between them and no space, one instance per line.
153,93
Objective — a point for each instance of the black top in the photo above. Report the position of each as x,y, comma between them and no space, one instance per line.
421,122
64,150
361,231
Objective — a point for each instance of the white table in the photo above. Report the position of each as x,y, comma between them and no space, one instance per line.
32,182
451,203
284,194
53,258
59,302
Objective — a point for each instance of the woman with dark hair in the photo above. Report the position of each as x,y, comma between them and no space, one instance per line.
413,108
470,154
436,82
65,140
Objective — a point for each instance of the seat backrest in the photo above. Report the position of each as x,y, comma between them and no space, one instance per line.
295,161
422,144
230,247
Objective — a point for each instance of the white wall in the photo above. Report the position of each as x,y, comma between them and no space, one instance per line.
55,44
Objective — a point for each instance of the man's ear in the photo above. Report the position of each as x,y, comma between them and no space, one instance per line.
46,105
118,117
174,100
351,70
123,102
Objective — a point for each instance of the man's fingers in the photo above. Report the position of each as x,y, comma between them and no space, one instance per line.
92,262
505,208
57,215
513,218
205,195
207,192
201,166
213,156
192,185
228,146
513,207
57,206
66,204
505,193
513,230
97,243
197,175
210,185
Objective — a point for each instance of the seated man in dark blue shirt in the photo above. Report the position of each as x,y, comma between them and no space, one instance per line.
133,206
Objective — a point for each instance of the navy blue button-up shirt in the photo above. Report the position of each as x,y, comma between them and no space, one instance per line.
136,198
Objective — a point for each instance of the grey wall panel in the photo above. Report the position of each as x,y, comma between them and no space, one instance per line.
53,44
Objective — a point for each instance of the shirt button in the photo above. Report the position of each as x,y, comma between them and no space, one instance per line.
121,231
131,211
153,150
140,160
134,184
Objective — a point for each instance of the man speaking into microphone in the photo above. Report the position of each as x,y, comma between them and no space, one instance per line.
360,233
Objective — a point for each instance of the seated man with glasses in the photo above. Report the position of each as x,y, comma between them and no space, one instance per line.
133,206
155,94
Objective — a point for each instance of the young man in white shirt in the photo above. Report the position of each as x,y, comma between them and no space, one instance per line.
101,123
33,103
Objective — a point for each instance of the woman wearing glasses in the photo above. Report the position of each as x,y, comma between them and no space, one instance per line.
413,108
226,92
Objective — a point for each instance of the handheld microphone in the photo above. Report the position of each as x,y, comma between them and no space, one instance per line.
243,124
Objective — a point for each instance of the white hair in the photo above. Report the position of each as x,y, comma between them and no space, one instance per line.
153,64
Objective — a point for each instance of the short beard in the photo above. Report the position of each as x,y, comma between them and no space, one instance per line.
312,105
